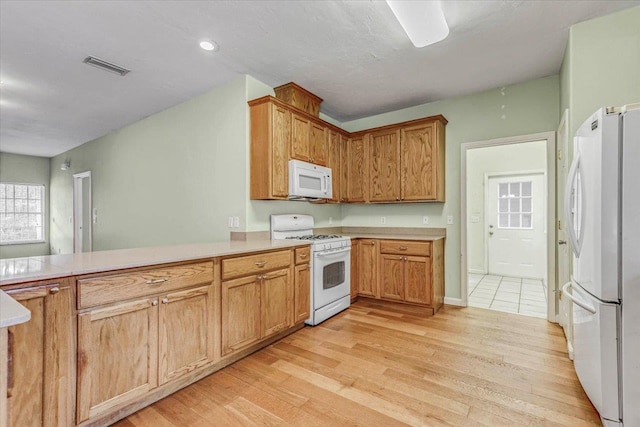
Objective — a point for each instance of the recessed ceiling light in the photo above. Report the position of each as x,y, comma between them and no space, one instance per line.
208,45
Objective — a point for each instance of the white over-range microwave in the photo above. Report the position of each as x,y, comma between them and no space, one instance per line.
309,181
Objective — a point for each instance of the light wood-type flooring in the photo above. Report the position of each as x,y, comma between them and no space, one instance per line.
384,364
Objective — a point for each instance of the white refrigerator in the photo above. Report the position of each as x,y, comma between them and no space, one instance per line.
603,219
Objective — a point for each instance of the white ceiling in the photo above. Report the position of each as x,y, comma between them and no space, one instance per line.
354,54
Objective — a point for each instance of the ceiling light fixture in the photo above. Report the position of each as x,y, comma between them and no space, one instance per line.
208,45
423,21
104,65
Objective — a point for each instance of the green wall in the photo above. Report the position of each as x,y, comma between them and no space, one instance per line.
174,177
519,109
27,170
602,61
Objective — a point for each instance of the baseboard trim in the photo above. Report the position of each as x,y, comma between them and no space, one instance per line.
454,301
474,271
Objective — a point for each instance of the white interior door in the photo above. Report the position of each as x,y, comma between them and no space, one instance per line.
82,230
516,226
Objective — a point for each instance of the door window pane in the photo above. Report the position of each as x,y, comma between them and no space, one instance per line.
516,199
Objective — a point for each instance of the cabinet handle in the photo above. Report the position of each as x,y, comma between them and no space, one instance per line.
405,258
165,300
154,302
260,277
403,248
303,255
400,258
261,264
54,290
156,281
373,243
397,198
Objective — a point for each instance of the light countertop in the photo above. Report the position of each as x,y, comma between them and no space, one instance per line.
18,270
12,312
392,236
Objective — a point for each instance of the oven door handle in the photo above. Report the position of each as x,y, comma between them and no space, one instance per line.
332,252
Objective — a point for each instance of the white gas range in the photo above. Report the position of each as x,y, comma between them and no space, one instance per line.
330,264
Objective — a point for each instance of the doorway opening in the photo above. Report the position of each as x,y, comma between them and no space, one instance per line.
508,225
82,216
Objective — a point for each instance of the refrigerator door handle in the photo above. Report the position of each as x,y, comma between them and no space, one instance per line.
576,241
577,301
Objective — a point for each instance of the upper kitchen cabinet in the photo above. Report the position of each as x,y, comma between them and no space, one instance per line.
422,161
384,166
406,161
355,170
270,145
333,161
308,140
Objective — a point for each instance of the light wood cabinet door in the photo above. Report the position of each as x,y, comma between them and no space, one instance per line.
41,383
355,245
357,170
276,302
270,149
300,130
117,352
302,293
417,279
368,268
186,332
280,141
392,276
334,162
384,166
418,162
240,313
318,144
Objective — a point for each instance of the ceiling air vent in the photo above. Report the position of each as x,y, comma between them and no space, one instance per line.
104,65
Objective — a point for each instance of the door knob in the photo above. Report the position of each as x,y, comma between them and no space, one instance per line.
490,226
562,242
491,233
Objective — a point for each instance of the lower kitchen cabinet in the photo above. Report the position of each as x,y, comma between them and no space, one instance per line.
240,313
118,355
276,304
354,269
255,307
127,349
41,373
392,277
186,332
302,293
368,268
410,271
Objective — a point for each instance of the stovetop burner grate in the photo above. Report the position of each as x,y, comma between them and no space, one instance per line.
315,237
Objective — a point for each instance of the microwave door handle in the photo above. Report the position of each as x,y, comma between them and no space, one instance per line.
324,184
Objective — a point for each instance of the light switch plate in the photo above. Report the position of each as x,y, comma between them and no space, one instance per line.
236,222
425,220
383,220
449,219
230,223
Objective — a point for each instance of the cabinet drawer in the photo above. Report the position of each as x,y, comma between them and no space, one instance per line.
118,287
405,247
303,255
243,266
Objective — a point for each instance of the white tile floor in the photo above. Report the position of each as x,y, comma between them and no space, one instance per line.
510,294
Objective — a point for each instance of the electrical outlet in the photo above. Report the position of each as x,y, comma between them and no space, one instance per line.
383,220
330,220
449,219
236,222
230,223
425,220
